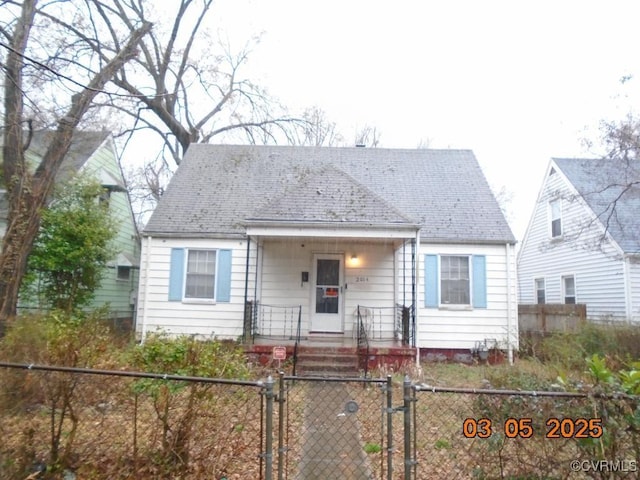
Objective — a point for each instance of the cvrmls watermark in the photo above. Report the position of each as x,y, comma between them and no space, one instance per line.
623,466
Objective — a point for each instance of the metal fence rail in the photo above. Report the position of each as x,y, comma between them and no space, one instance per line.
123,424
62,422
467,433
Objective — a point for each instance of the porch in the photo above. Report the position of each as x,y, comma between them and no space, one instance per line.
369,345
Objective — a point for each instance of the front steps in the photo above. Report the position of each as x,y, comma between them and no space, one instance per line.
327,362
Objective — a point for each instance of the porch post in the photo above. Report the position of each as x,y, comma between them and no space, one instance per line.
247,318
414,297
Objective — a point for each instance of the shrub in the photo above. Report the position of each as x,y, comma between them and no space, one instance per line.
177,405
59,339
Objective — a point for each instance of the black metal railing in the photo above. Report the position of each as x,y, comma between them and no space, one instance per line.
363,341
276,321
388,323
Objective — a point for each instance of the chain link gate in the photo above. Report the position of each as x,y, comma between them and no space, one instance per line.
335,428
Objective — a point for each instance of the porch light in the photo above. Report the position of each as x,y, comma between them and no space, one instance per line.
354,259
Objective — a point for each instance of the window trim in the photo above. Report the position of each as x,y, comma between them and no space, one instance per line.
201,300
469,283
536,290
563,279
559,218
119,278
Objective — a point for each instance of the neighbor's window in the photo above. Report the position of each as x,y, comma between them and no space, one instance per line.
569,289
455,285
201,274
123,272
540,291
555,207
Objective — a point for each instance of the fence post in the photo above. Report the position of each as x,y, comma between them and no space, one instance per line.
390,411
268,449
408,460
281,449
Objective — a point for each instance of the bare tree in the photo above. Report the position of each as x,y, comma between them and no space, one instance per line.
317,130
368,136
180,87
28,190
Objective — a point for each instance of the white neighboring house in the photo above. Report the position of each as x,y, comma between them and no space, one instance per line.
578,248
247,240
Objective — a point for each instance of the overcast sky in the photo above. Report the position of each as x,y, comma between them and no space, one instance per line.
517,82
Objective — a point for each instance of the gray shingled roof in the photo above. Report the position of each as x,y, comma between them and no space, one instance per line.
602,183
217,188
329,195
83,145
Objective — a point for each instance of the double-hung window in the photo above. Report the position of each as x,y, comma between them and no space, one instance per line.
569,289
200,278
541,296
200,275
455,280
555,210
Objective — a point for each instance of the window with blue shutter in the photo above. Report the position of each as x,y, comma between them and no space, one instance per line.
479,281
200,274
455,280
431,281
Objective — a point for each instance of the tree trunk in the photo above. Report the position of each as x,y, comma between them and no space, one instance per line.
28,193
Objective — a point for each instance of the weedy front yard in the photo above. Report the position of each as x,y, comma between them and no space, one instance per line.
114,427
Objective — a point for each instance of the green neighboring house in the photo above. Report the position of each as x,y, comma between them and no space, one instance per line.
94,153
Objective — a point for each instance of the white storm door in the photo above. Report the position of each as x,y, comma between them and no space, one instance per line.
326,306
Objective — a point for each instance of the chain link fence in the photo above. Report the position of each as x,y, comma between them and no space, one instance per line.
70,423
76,423
485,434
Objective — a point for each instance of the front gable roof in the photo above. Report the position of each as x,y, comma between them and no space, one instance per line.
612,191
83,145
329,195
219,187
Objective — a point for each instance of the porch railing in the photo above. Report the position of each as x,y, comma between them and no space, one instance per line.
363,341
388,323
276,321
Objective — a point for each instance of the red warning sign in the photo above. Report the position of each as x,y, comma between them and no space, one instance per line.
279,353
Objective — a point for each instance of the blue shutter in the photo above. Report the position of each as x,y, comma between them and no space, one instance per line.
223,292
431,281
479,281
176,274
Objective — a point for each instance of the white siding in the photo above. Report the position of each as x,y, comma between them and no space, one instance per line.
370,283
596,266
634,283
155,312
275,278
461,328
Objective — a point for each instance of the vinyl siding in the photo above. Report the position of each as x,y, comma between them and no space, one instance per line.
634,283
445,327
597,267
118,294
370,284
377,282
156,312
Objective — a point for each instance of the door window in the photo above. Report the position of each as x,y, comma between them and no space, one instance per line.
328,286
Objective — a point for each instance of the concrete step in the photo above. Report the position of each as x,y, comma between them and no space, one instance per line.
328,362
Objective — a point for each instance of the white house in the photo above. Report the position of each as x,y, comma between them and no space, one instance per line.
273,242
582,244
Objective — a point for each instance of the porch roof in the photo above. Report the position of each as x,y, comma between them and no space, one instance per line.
347,230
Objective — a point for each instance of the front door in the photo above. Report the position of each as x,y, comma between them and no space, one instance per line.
326,307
